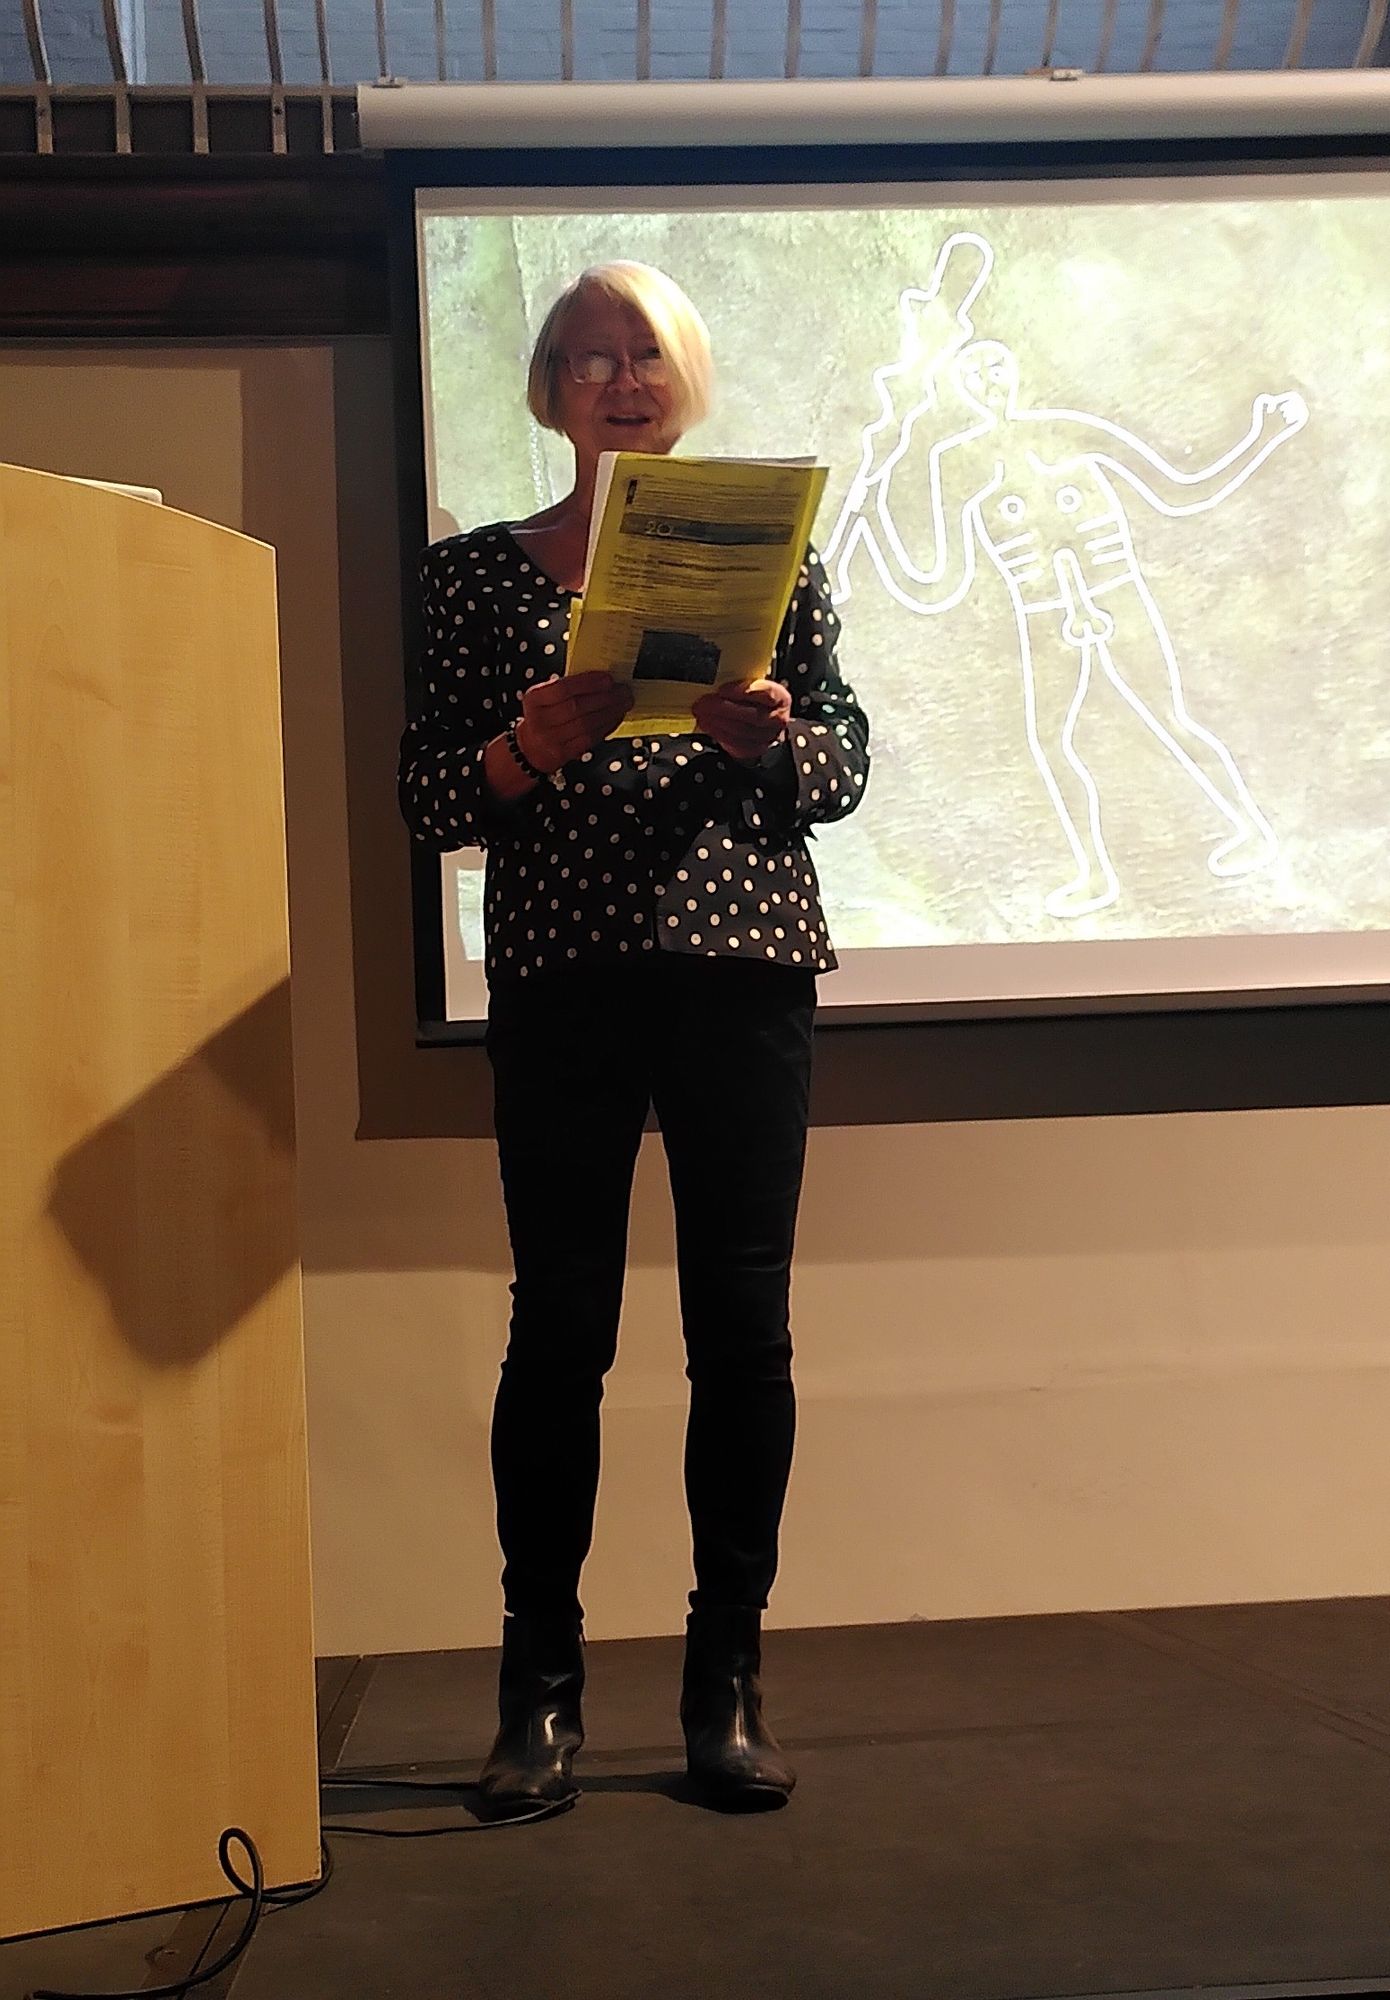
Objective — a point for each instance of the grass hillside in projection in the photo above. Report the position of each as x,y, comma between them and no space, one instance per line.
1104,521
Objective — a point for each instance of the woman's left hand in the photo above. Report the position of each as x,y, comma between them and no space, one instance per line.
746,721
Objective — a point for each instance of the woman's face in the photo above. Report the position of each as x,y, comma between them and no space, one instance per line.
633,412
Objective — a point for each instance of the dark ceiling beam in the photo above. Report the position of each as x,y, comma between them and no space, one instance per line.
193,247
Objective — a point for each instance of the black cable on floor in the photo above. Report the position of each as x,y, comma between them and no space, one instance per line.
259,1898
278,1899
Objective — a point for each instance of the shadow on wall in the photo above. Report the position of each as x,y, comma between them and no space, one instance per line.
182,1207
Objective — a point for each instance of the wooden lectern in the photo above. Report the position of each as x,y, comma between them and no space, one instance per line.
156,1644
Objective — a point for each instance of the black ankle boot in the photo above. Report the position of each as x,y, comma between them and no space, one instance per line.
538,1700
731,1755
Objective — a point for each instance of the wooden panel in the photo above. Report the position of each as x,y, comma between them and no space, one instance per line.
156,1651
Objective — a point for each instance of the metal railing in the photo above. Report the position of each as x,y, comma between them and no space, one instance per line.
285,50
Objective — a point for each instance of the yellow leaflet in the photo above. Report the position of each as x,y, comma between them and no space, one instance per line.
691,569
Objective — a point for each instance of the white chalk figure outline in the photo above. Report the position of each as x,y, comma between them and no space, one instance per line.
1056,530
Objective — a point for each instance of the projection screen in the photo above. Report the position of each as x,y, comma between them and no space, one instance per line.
1106,522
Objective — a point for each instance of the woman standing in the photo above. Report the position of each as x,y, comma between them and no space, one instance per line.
654,932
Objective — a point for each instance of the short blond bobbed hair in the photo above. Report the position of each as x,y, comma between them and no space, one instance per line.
676,325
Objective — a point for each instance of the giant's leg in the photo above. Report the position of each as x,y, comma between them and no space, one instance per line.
1144,668
1056,677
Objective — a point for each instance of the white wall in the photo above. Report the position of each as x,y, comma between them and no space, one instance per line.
1062,1365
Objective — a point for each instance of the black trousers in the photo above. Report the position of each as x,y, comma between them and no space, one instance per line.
722,1048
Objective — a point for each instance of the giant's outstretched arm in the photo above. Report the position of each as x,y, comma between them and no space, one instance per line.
1274,419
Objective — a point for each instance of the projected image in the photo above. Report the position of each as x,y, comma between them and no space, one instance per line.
1034,492
1104,522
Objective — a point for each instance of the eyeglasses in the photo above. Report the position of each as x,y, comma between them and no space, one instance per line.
594,366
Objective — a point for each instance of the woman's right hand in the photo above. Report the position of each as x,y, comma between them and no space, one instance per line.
563,717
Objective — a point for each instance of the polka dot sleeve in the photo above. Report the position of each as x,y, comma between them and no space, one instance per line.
444,796
820,772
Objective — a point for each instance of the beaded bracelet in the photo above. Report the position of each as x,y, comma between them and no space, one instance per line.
509,738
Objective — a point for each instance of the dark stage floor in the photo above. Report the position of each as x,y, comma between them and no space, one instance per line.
1112,1803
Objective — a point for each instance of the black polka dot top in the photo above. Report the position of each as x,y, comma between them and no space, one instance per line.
656,842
